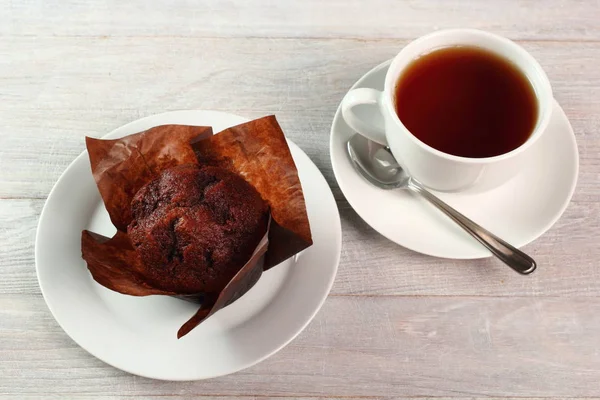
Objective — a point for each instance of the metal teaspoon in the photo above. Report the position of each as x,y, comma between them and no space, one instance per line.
378,166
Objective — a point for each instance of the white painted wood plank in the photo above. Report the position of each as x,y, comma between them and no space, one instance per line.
357,346
140,73
541,19
371,265
73,68
56,90
185,397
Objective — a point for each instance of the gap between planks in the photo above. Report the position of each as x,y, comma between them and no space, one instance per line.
400,296
297,38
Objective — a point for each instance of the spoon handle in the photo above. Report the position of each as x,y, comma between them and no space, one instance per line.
510,255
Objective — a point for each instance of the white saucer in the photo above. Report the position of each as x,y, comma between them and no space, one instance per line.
519,211
139,334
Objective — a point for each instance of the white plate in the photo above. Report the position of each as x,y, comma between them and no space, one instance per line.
519,211
138,334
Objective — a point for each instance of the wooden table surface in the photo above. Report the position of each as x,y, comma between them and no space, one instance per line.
397,324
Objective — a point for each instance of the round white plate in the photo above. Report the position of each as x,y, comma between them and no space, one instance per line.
139,334
518,211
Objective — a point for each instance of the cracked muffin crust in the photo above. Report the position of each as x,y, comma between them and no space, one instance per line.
194,227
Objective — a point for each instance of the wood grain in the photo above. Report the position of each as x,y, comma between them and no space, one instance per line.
221,397
399,325
541,19
57,90
357,346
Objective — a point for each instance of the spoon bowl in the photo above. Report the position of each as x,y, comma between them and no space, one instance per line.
376,163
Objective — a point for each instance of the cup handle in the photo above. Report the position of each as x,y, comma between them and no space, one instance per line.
364,96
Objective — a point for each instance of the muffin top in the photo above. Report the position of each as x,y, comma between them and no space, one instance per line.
195,227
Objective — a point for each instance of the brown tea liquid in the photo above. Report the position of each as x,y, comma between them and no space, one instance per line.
467,102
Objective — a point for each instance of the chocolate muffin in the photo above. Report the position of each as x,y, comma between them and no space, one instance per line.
194,227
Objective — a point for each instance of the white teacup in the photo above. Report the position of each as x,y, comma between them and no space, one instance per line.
431,167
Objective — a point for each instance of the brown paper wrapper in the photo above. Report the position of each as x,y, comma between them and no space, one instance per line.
122,166
257,151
